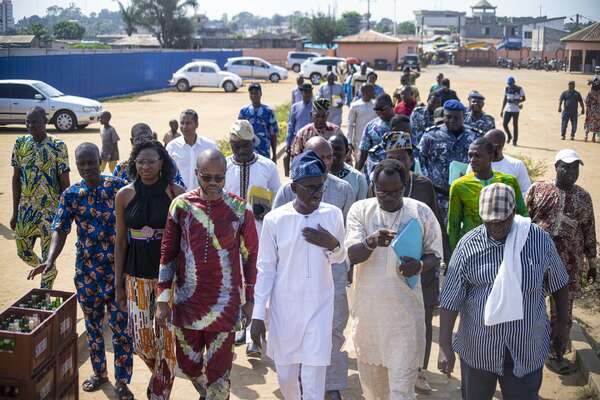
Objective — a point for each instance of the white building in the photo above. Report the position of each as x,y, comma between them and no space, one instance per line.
557,23
7,21
434,22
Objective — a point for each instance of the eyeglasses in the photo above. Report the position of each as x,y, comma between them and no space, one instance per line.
149,162
312,190
393,193
213,178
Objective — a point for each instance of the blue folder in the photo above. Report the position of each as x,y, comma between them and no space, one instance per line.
409,243
456,170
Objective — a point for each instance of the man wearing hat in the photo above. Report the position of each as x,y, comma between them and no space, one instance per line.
320,126
514,96
571,99
475,116
300,116
263,122
496,281
334,93
565,211
299,243
442,144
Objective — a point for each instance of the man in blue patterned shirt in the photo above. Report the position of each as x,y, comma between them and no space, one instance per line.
90,203
262,119
373,134
475,117
442,144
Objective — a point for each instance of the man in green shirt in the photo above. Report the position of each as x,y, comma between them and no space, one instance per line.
463,210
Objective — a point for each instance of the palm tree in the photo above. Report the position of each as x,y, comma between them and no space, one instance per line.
129,15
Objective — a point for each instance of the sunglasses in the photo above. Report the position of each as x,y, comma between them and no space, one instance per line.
213,178
312,190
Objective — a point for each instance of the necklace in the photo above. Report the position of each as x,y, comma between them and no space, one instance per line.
410,187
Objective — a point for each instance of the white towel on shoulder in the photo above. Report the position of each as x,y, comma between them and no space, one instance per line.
505,302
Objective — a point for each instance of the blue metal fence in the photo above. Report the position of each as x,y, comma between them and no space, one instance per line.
98,75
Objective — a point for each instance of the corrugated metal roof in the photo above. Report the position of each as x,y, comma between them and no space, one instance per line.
370,36
588,34
16,39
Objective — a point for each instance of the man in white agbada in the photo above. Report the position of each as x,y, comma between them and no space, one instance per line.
248,171
299,243
388,316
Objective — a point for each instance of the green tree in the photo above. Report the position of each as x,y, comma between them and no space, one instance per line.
406,28
385,25
130,16
350,23
301,24
167,20
69,30
323,29
39,31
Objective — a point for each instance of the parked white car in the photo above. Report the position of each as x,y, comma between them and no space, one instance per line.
18,96
316,68
255,68
296,58
204,74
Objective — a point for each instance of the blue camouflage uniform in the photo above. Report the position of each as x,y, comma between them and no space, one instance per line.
485,123
93,210
264,124
372,136
420,119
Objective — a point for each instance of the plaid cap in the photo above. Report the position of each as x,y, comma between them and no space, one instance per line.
241,130
496,202
396,140
307,165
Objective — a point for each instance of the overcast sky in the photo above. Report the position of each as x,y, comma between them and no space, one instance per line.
380,8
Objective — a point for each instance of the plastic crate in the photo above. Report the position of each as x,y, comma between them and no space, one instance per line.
65,322
66,364
71,392
31,350
40,387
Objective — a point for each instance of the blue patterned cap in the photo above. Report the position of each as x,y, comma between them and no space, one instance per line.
307,165
510,80
454,105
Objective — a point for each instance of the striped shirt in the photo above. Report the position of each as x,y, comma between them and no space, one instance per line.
471,273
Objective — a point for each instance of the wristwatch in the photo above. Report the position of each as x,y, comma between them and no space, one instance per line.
366,243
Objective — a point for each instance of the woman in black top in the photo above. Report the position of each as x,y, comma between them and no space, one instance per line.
142,208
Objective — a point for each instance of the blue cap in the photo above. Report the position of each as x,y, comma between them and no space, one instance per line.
307,165
510,80
476,95
454,105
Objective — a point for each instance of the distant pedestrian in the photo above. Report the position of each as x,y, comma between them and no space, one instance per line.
263,121
445,92
571,99
565,211
504,333
407,102
173,132
110,143
409,78
319,127
360,113
40,174
185,149
514,96
372,80
334,92
297,92
438,85
359,78
475,116
300,116
592,102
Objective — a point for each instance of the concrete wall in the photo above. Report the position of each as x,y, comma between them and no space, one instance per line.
392,52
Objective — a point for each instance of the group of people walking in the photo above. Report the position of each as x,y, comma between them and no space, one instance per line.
184,247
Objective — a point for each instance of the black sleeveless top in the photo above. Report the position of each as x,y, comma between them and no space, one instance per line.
149,207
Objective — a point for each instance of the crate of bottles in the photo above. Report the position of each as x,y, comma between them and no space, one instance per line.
26,342
62,304
70,391
39,387
66,364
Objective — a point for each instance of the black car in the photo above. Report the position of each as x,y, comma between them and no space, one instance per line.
412,61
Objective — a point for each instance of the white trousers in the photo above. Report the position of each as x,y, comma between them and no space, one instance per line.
381,383
313,381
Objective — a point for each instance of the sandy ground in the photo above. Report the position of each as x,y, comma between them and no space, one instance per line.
539,139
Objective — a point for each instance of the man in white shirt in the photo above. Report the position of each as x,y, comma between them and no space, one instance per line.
361,112
185,149
299,243
505,163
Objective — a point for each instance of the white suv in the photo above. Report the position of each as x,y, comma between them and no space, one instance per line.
255,68
316,68
296,58
204,74
67,113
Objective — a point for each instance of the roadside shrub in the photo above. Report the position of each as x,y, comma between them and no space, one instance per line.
535,168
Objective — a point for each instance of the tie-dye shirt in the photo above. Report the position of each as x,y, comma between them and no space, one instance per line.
203,245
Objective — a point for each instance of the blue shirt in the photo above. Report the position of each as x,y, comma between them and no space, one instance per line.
372,136
93,210
420,119
296,95
485,123
438,148
121,172
264,124
378,90
299,117
469,281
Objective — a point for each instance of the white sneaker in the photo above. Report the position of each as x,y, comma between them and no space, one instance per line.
422,386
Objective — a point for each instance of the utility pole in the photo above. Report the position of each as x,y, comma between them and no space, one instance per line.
368,14
395,18
576,22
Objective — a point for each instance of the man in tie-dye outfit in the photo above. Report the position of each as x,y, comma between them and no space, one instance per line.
207,236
